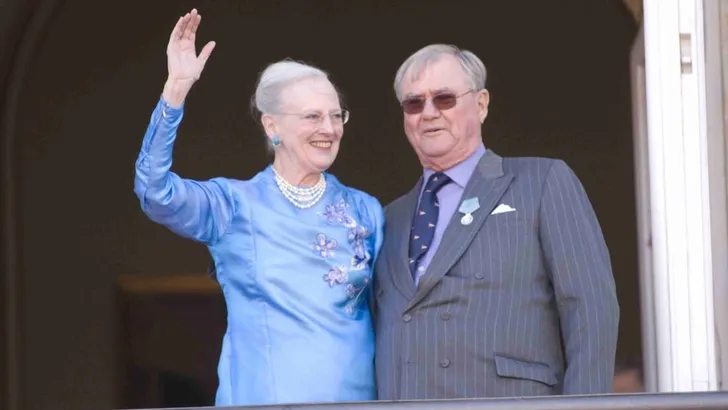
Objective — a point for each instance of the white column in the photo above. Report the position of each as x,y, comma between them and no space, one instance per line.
680,214
714,12
644,221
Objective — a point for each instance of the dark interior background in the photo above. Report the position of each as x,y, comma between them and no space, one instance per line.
78,90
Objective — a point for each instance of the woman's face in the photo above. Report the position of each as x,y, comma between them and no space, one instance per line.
310,125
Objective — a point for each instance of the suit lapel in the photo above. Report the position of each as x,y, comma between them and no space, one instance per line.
488,184
398,260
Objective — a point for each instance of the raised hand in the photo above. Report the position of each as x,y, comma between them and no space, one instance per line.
184,65
183,62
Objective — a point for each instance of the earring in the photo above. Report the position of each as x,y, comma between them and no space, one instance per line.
276,141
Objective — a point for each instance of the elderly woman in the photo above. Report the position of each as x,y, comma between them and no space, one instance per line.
293,247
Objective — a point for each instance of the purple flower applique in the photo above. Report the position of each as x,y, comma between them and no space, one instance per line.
336,214
354,293
354,285
324,246
336,275
361,255
358,233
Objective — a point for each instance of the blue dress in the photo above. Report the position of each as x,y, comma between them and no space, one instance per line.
296,282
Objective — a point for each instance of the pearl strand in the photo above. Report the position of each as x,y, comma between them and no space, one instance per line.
301,198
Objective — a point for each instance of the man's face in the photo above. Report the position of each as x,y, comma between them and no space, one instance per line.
442,114
628,381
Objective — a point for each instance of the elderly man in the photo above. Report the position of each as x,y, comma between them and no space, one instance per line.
494,279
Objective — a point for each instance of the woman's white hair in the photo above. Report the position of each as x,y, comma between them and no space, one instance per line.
276,77
417,62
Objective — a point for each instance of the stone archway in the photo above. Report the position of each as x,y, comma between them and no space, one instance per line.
30,19
22,27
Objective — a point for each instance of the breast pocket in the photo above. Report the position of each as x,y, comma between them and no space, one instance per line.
513,219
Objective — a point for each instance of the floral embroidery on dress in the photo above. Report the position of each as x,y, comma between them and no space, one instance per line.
324,246
361,257
354,292
337,214
337,275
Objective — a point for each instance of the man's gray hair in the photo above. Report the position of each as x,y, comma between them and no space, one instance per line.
417,62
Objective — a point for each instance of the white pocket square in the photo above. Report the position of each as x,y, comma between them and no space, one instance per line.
502,208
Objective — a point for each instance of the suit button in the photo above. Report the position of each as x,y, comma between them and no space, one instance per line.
444,363
445,315
479,275
406,317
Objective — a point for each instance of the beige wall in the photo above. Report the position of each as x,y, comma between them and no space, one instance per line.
558,74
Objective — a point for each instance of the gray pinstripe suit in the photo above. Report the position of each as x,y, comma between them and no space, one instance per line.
515,304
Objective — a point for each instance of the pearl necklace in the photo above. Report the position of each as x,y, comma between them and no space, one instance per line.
302,198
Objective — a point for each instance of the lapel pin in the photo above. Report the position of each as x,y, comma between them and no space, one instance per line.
468,206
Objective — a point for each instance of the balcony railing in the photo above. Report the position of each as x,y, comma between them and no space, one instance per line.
662,401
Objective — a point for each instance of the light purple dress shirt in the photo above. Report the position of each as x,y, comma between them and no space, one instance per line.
448,197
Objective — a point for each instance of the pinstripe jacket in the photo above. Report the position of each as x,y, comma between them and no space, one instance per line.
519,303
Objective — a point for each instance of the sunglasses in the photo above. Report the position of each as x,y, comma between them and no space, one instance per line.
442,101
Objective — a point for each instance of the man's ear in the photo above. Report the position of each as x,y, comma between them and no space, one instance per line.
483,101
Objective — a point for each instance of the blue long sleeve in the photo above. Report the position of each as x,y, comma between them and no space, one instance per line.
294,280
197,210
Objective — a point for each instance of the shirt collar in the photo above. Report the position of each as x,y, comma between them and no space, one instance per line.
461,172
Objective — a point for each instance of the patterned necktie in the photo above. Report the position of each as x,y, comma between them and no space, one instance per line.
425,220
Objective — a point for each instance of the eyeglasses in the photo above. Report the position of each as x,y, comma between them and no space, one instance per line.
442,101
317,118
